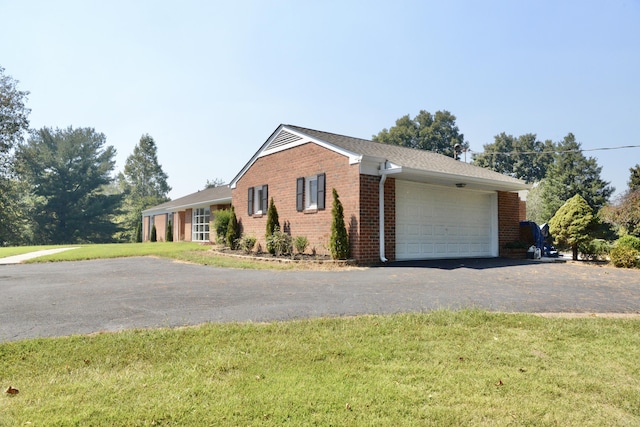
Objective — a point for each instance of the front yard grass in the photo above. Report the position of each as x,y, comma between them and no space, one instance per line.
181,251
443,368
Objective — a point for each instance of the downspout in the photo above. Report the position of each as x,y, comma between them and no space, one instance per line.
383,178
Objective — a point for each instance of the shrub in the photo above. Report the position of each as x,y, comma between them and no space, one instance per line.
624,256
154,234
280,242
272,224
169,234
246,243
233,230
629,241
595,249
221,223
139,232
339,240
300,243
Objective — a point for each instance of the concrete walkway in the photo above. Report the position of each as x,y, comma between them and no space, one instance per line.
17,259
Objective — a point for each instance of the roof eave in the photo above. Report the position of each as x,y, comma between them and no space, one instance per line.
472,182
220,201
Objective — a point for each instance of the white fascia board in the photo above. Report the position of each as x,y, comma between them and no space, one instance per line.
189,205
478,182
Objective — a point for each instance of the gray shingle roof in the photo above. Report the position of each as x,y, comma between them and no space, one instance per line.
219,195
419,160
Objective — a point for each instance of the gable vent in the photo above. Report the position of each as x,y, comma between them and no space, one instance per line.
283,138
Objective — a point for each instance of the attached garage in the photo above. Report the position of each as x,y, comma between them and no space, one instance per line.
444,222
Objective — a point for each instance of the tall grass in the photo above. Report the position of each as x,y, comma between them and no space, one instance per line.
443,368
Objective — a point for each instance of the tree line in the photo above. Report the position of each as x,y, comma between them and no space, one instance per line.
57,185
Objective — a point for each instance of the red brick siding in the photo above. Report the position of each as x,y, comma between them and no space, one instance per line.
188,218
279,171
510,209
366,240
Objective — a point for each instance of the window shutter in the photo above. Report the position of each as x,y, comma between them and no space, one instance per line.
300,194
321,192
265,199
250,210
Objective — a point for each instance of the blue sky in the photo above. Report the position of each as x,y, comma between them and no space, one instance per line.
211,80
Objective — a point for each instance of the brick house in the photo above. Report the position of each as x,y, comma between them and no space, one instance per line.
190,216
399,203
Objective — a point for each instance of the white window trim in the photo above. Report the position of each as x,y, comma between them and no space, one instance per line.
307,193
257,200
195,223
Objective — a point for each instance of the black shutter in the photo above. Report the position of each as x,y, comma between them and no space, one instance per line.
300,194
265,199
250,209
321,192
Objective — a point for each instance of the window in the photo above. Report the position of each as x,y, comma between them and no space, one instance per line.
200,225
258,200
310,193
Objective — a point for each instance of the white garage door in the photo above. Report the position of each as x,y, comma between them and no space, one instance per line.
441,222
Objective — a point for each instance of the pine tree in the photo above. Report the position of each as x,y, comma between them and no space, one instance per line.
139,232
572,173
143,183
339,240
154,234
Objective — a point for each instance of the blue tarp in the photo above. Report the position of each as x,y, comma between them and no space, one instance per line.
530,233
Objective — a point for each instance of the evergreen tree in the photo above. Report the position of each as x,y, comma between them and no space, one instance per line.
573,223
69,172
273,224
154,234
339,239
169,233
572,173
233,230
143,183
139,232
634,179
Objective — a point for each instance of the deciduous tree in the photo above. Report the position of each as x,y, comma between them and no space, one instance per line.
14,123
523,157
425,131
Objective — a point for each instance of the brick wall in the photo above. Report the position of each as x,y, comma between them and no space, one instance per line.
279,171
366,238
510,211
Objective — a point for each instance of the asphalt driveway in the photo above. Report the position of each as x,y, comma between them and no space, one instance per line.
43,300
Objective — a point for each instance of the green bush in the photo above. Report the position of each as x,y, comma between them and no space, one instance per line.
221,223
339,239
629,241
280,242
300,243
596,249
272,224
154,234
233,231
169,234
139,232
624,256
246,243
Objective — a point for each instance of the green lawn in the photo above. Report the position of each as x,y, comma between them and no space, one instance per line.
443,368
182,251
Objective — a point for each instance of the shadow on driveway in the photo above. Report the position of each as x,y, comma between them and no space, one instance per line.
472,263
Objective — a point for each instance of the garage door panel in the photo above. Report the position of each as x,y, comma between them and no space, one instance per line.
437,222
